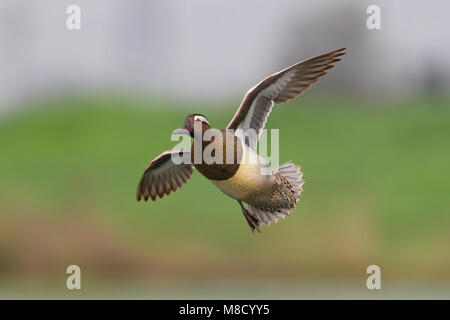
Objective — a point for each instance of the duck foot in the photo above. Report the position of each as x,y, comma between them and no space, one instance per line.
252,221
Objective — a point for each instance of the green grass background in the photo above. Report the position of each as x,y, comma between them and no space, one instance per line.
377,192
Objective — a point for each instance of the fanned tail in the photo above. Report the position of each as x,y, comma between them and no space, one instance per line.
293,174
290,187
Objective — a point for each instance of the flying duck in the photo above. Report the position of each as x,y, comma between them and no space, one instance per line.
270,194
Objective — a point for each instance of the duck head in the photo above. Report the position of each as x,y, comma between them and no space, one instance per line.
193,122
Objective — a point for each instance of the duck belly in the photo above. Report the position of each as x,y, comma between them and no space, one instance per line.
252,178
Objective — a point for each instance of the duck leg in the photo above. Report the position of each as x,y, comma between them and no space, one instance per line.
252,221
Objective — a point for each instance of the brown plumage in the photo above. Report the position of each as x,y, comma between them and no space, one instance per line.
162,176
223,170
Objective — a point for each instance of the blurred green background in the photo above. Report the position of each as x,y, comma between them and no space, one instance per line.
83,111
376,192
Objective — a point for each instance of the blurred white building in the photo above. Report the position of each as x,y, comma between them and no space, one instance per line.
201,48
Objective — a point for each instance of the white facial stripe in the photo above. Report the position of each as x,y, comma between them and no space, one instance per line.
201,118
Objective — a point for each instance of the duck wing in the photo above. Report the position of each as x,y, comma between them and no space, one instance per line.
278,88
165,174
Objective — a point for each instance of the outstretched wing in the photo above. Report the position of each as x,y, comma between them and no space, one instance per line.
278,88
162,176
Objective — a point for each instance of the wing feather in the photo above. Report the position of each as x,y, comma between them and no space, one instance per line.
278,88
162,176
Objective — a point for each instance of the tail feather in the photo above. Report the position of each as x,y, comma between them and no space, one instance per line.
294,184
293,174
